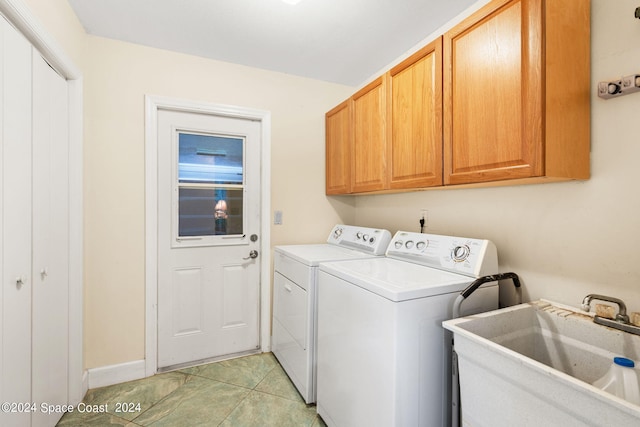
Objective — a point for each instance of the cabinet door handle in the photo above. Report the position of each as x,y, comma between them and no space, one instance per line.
287,288
43,273
20,281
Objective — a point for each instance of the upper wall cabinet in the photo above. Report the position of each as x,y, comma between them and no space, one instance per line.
388,135
338,149
415,117
369,147
516,93
502,98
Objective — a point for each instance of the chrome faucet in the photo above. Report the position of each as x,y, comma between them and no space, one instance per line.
621,317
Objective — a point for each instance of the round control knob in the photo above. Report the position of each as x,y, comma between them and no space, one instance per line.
359,235
365,237
409,244
337,233
460,253
372,240
398,244
421,245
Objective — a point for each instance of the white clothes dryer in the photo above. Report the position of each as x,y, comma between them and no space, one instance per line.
383,356
293,340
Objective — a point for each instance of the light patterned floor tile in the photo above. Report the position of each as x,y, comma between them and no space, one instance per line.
262,409
243,392
244,371
75,419
278,383
128,400
199,402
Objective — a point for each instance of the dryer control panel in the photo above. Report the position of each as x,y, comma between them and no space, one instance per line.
468,256
368,240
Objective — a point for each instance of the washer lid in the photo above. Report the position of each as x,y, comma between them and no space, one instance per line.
397,280
312,255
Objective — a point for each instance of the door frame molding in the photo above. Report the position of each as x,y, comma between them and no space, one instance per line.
152,105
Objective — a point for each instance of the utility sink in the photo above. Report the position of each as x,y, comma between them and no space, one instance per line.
533,364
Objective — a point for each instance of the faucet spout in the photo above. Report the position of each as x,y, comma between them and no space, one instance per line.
621,317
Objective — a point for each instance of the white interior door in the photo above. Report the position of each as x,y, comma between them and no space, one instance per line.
208,236
50,275
15,192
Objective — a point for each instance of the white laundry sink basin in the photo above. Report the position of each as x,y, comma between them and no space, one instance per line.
533,364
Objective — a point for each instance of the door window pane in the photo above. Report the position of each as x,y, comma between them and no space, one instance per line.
199,216
210,185
210,159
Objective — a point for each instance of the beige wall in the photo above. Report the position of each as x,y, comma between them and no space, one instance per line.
565,240
117,77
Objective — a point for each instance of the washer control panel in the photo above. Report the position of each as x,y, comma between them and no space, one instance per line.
369,240
468,256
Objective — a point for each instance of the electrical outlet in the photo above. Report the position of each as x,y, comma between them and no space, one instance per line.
424,214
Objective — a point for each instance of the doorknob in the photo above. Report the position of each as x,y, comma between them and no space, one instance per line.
253,254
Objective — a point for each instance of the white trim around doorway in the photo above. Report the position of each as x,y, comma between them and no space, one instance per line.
152,104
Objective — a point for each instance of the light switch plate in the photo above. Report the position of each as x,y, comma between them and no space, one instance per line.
277,218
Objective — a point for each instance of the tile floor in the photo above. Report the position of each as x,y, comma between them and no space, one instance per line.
247,391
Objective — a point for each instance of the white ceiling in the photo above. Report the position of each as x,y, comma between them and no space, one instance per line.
341,41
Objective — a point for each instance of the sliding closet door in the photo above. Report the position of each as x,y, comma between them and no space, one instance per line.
15,186
50,338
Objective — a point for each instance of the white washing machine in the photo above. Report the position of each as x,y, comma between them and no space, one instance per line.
294,334
383,356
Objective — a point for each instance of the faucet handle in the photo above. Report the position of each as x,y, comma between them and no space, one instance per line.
622,318
586,307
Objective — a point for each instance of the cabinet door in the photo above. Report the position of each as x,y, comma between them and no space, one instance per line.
493,94
50,241
415,116
368,164
15,252
338,149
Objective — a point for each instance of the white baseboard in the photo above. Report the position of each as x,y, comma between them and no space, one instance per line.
115,374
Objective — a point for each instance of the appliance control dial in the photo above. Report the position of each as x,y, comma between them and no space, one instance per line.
337,233
409,244
398,244
359,235
421,245
365,237
460,253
